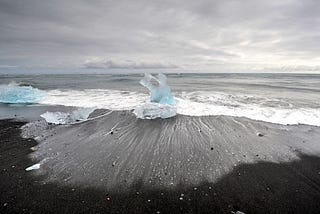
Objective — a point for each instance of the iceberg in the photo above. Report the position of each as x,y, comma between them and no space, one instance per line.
161,104
13,93
160,93
67,117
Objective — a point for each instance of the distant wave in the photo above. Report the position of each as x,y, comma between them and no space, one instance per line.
198,103
14,93
279,87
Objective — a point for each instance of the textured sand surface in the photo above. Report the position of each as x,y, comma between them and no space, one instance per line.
259,186
116,150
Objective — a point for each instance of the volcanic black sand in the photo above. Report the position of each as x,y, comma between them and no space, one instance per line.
267,178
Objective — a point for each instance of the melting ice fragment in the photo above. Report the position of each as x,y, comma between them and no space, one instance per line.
162,103
15,94
160,93
33,167
67,117
155,110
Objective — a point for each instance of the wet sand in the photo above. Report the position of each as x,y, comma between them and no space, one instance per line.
119,164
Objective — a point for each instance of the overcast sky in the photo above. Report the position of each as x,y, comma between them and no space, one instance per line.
210,35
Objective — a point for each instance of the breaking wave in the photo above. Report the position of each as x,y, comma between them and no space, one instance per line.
196,103
200,103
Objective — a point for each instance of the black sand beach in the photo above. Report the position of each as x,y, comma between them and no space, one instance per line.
236,170
159,107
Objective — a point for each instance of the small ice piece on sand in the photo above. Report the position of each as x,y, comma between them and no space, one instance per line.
33,167
67,118
238,212
155,110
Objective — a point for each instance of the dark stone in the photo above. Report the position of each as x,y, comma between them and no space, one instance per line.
260,134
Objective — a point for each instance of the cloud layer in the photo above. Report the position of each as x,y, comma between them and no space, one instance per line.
110,64
204,35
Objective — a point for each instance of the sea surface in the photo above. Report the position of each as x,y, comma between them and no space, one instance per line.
275,98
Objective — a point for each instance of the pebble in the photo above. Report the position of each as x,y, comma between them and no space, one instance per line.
260,134
34,148
240,212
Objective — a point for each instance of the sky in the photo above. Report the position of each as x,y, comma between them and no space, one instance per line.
189,35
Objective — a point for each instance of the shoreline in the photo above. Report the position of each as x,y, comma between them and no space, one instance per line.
263,185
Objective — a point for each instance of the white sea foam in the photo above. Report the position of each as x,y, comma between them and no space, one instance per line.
199,103
284,116
95,98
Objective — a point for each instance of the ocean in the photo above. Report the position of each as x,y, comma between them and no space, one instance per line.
275,98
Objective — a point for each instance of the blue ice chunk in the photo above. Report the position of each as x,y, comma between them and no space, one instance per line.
155,110
13,93
160,93
162,103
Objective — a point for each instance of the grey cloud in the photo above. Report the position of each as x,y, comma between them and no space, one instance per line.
190,34
127,64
